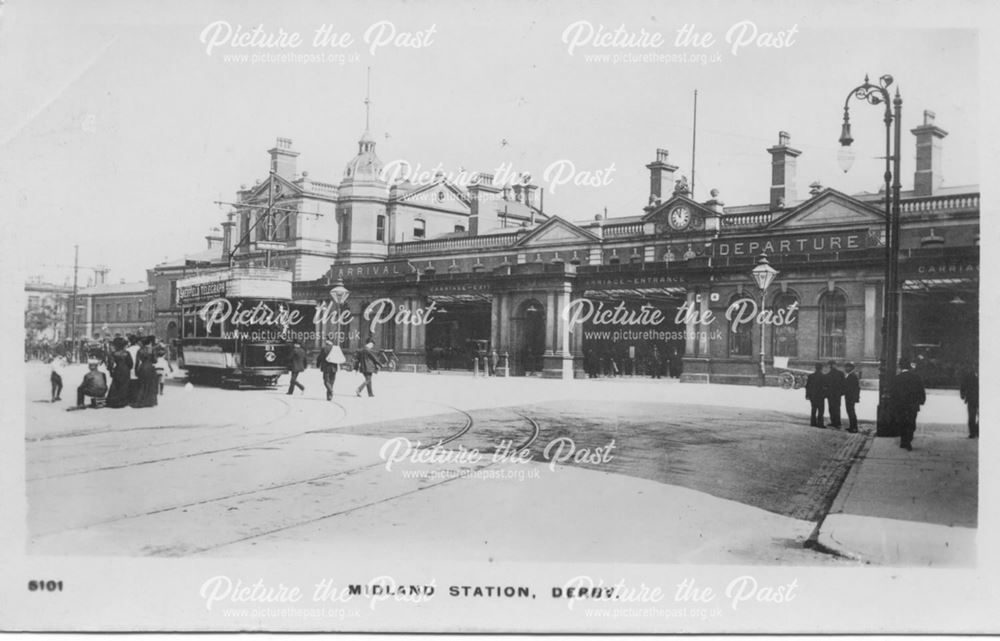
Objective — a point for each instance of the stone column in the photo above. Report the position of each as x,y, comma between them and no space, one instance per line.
871,323
564,335
690,327
495,306
505,301
550,325
703,350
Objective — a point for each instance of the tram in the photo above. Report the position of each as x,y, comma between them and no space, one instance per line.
237,326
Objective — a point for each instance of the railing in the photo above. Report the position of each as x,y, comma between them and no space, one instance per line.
939,203
619,231
757,219
446,244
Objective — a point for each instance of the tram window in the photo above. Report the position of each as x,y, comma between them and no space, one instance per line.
199,326
188,329
380,228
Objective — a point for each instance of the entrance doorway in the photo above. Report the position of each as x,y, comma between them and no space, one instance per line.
455,334
528,333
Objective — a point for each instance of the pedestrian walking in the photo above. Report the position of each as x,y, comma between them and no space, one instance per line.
55,378
330,358
94,384
834,392
297,365
852,395
366,363
906,395
969,391
816,395
494,361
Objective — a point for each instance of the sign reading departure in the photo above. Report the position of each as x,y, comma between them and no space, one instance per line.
824,242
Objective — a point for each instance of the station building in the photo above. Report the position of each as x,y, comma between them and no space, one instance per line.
498,272
507,280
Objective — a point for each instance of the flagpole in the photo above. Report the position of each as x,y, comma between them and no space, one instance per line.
694,140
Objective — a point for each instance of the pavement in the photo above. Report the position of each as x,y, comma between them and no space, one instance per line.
269,474
914,508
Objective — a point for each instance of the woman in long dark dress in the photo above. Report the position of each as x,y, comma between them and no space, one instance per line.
148,380
120,364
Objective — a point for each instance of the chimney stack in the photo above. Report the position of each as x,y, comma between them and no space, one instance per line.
227,234
101,275
482,213
661,177
782,171
529,194
927,178
283,158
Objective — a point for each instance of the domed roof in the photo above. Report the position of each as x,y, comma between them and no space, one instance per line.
366,165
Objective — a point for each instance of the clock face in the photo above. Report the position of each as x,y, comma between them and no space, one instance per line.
680,217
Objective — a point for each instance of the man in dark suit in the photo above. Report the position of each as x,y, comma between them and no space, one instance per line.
906,395
834,392
852,395
816,395
297,365
328,362
366,362
969,391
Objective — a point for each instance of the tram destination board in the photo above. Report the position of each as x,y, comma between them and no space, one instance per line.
201,292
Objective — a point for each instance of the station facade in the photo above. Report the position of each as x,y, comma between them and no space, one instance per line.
561,298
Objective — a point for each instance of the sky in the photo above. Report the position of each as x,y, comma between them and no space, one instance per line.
122,126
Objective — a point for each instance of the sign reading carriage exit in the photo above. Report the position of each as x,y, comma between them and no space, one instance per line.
793,244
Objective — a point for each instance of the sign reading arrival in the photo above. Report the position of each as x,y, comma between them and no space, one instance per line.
366,271
794,244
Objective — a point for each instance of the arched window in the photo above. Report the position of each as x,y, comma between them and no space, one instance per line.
832,325
784,338
741,336
419,228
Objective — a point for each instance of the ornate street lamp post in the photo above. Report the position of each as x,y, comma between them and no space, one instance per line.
339,295
763,274
879,95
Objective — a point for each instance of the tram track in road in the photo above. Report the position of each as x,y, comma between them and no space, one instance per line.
343,415
456,434
287,411
535,432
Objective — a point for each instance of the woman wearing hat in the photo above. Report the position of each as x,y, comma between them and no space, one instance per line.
121,368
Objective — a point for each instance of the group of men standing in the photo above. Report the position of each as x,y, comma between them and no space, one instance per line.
906,394
830,386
